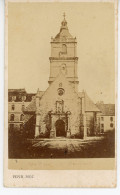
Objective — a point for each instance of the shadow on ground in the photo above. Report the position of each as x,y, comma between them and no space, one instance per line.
95,147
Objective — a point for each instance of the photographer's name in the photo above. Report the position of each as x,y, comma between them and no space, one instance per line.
23,176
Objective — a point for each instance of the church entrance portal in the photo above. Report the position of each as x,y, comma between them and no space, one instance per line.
60,128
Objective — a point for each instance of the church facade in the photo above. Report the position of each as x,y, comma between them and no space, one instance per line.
61,110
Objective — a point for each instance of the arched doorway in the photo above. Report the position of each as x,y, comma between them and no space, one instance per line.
60,128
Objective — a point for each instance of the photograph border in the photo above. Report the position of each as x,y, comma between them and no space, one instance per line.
103,176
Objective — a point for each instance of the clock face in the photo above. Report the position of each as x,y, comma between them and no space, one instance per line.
60,91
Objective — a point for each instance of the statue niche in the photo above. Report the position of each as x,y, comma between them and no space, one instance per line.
60,106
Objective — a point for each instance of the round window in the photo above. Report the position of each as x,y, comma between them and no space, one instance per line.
60,91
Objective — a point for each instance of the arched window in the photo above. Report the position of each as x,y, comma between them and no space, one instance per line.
13,98
111,124
21,117
12,117
64,48
23,98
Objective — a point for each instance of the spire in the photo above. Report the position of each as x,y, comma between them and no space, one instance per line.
64,22
64,32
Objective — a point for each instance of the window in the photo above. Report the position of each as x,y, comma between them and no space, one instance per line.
102,118
13,107
21,117
12,117
60,91
23,98
64,48
13,98
111,118
111,124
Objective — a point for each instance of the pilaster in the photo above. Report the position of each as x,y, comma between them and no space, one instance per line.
52,131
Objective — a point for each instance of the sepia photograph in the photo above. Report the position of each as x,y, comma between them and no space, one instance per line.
60,92
61,95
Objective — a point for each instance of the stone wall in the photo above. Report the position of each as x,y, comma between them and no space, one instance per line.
47,103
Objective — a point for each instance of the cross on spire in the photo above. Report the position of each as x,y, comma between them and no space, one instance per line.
64,15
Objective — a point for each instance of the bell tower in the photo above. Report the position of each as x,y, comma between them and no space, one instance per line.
64,56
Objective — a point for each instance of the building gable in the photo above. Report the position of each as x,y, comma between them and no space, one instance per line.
60,84
89,105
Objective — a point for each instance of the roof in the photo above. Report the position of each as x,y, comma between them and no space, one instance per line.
59,78
40,93
107,109
31,107
64,32
19,93
89,105
17,90
27,118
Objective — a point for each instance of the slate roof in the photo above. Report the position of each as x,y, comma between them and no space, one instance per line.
40,93
17,90
27,118
19,93
107,109
31,107
64,32
89,104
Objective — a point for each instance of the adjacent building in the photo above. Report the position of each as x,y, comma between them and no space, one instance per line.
18,100
106,118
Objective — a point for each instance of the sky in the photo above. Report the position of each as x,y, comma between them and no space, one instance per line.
30,28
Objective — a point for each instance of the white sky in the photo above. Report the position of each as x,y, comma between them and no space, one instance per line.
30,28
